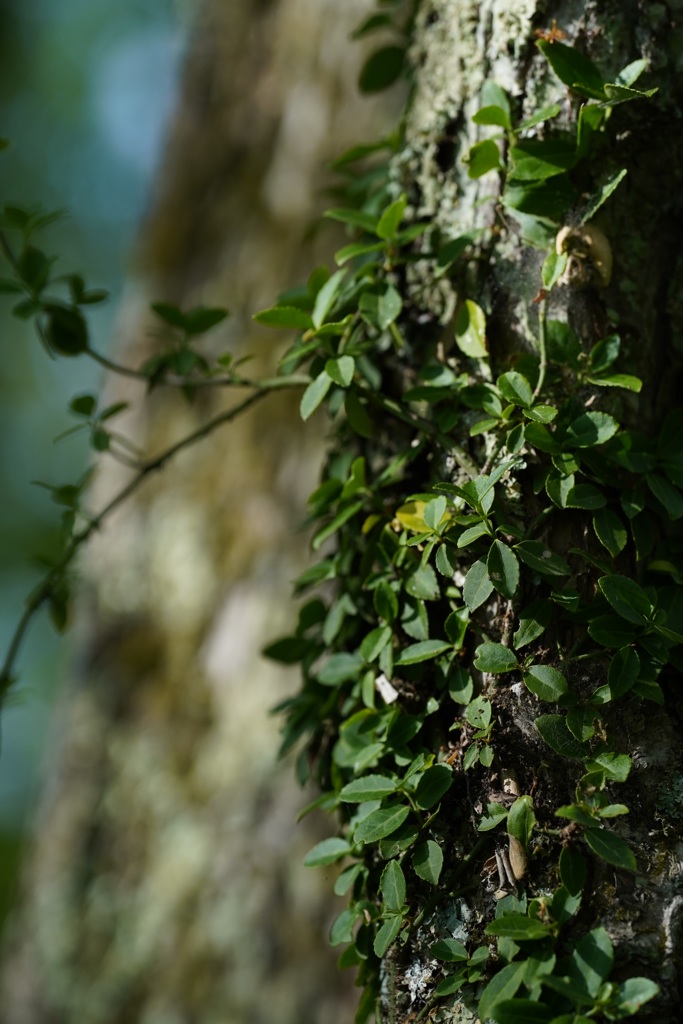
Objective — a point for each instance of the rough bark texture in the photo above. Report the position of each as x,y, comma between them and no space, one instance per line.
166,883
458,45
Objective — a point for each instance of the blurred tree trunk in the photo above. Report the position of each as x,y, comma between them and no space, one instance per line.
165,884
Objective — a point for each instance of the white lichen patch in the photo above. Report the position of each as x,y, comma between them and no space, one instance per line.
419,979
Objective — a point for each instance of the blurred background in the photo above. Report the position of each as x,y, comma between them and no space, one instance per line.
86,95
149,849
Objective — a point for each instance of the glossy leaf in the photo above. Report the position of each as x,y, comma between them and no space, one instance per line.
327,852
428,861
477,586
494,658
314,394
503,568
628,599
545,682
392,886
380,823
387,933
367,787
470,330
521,819
611,848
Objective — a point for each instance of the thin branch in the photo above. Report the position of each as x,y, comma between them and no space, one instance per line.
45,589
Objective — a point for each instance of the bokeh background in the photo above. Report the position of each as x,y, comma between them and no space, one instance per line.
140,792
86,95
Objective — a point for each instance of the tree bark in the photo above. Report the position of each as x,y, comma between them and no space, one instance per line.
459,45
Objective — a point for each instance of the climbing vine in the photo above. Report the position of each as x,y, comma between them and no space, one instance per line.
443,596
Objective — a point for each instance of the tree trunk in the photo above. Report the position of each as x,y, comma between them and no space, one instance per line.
165,883
551,505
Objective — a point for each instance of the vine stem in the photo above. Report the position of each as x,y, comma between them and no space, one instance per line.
45,588
542,346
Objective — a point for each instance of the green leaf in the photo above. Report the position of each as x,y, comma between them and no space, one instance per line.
634,993
602,195
380,823
521,819
428,861
615,767
572,870
611,848
553,729
288,317
503,568
346,879
592,960
354,249
623,672
482,158
375,642
478,713
422,651
627,598
449,950
340,668
495,813
522,1011
357,415
342,927
544,114
326,297
590,429
314,394
201,319
573,68
477,586
381,69
502,985
455,627
611,631
533,621
327,852
392,886
444,565
539,557
386,934
537,159
434,511
548,200
604,353
545,682
493,115
473,533
388,224
668,495
380,308
518,927
610,531
470,330
618,380
423,584
494,658
554,266
367,787
433,784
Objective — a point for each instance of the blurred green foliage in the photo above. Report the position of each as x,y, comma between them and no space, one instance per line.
85,94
